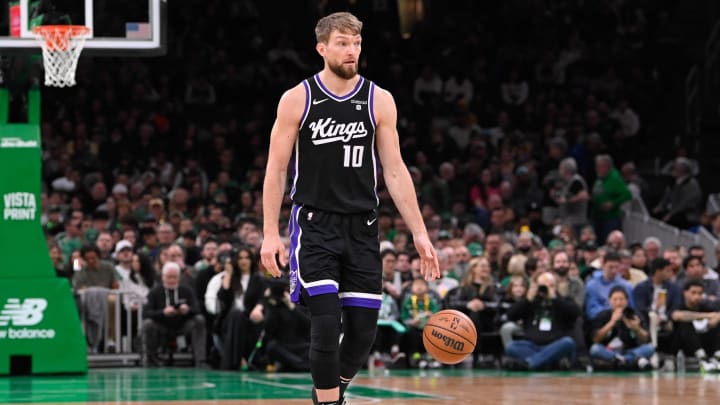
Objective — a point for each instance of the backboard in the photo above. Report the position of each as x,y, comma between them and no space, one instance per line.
117,27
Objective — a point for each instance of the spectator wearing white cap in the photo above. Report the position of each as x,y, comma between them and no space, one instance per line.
132,294
119,191
123,255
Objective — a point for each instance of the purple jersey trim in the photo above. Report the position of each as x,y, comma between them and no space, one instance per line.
321,289
361,302
294,250
307,102
371,103
336,97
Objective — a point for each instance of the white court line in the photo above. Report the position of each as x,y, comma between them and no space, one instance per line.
363,400
391,389
403,390
51,393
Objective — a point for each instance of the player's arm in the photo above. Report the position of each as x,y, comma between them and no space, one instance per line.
398,180
397,177
282,139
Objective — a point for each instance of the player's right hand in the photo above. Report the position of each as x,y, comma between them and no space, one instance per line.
429,266
272,250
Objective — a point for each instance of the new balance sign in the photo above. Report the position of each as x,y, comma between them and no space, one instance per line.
28,313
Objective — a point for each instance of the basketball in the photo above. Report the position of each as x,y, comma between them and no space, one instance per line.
449,336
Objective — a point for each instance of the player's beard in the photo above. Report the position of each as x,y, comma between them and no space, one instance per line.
344,71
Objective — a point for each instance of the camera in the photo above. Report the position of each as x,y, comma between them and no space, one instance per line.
543,291
628,313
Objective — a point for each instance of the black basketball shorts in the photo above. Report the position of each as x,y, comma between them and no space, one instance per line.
334,253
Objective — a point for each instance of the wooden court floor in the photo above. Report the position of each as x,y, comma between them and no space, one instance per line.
197,387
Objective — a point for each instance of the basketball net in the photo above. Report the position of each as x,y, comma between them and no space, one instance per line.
61,47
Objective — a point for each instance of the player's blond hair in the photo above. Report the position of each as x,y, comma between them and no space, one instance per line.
343,22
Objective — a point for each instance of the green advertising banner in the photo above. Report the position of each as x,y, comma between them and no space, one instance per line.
39,321
40,330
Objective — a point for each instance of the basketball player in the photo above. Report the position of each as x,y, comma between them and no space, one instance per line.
336,125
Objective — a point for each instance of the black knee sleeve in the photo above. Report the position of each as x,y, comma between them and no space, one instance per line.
324,340
359,329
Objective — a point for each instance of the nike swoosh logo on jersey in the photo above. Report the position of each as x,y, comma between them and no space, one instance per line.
316,102
371,221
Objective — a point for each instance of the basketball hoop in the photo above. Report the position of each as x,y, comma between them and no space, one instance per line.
61,47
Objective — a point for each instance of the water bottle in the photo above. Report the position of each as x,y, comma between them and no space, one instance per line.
680,362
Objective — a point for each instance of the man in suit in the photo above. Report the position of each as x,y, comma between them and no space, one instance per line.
172,310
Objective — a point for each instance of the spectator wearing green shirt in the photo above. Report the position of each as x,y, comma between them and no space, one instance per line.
417,307
94,272
71,239
608,194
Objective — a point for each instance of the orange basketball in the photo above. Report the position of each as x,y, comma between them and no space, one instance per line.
449,336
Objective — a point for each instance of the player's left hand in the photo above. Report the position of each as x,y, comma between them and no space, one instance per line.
429,266
272,249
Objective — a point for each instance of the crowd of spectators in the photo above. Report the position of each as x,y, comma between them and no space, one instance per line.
519,122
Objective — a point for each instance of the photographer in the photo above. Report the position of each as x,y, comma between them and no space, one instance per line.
287,328
547,320
230,296
618,335
171,311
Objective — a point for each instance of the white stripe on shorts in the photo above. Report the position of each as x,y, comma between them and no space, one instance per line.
360,295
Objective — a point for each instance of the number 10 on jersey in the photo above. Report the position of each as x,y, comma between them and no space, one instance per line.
353,155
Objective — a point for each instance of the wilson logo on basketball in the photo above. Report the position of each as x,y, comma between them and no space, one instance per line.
455,324
448,341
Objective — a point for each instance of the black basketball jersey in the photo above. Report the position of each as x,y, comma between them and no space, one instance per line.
335,164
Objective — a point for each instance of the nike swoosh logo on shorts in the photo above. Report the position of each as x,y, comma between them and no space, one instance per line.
315,102
371,221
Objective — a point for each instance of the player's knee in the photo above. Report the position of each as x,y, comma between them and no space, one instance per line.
325,331
363,337
361,322
325,322
360,331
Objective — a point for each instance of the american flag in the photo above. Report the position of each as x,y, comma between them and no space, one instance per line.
137,30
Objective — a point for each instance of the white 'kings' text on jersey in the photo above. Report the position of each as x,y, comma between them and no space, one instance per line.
334,162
